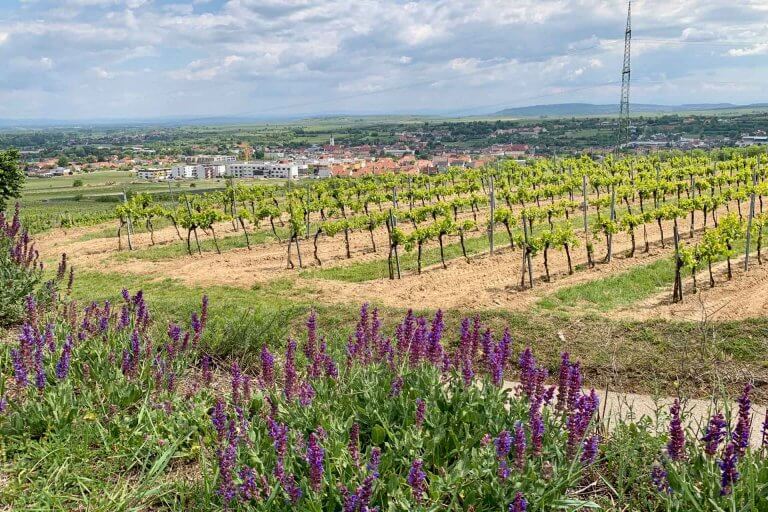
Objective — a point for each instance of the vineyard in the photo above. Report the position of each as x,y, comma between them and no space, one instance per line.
272,393
571,213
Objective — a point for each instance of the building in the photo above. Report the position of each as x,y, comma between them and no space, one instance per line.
284,170
154,173
181,172
210,159
753,140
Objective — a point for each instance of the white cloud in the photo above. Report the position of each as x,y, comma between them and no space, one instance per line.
391,53
758,49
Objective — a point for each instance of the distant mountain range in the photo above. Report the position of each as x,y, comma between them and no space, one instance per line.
589,109
554,111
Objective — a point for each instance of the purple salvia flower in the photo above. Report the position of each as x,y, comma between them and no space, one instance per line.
126,295
292,489
50,341
39,368
503,445
743,429
527,372
537,433
676,444
660,479
207,374
396,387
714,434
375,460
279,434
174,332
520,446
589,452
579,419
289,384
236,381
62,365
125,318
467,373
354,443
435,348
730,474
267,367
306,394
249,489
574,385
421,409
219,419
227,460
465,342
315,456
19,368
488,347
197,326
519,504
417,479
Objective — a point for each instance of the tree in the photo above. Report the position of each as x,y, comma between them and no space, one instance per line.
11,176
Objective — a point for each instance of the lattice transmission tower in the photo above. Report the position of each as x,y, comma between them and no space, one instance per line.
623,133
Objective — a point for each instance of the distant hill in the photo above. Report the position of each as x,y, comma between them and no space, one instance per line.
589,109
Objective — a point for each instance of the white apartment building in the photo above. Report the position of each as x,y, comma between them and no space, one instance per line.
262,170
182,172
153,173
199,171
210,159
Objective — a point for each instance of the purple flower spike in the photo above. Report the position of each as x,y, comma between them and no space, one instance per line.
267,367
519,504
315,455
659,479
563,381
520,446
728,467
354,443
744,425
375,460
589,453
19,368
676,444
62,365
417,479
714,434
421,409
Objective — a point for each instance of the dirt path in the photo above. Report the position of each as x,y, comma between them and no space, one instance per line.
696,412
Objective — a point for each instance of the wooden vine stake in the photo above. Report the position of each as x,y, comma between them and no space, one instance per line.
130,224
751,216
585,211
677,291
492,203
192,229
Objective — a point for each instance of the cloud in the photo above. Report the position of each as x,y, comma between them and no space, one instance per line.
758,49
213,57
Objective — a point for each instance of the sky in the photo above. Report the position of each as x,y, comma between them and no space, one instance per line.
88,59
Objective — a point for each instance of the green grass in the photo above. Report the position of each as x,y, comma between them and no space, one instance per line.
621,290
614,291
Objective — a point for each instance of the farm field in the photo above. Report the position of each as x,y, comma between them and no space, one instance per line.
334,351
